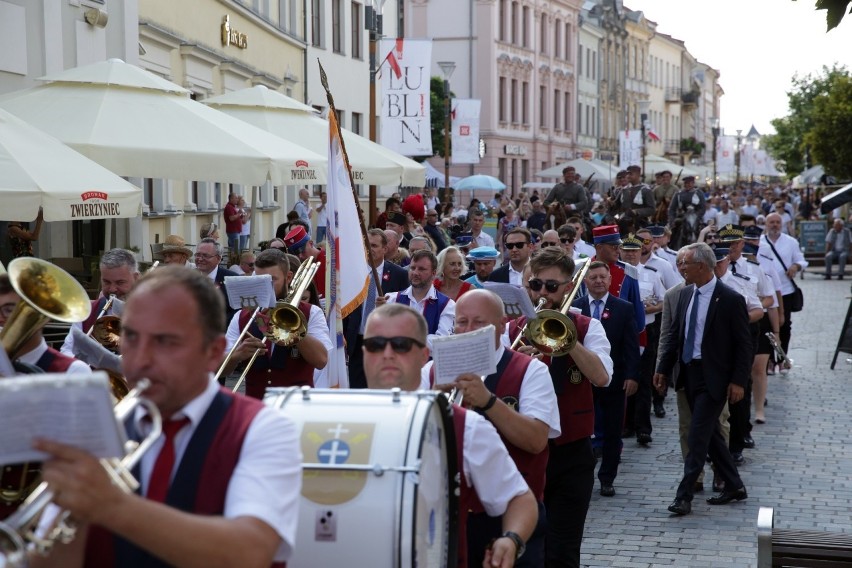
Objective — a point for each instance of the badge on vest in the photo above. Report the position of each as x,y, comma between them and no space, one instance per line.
575,377
294,353
511,402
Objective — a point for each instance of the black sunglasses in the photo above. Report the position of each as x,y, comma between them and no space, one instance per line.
398,344
550,285
510,246
545,244
566,241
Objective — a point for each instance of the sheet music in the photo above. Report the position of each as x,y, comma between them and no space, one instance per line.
471,352
250,291
72,409
515,300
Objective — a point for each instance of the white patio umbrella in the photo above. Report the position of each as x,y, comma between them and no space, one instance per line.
287,118
654,164
583,167
37,170
135,123
479,181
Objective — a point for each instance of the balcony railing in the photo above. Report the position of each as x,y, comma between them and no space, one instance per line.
673,94
690,98
671,147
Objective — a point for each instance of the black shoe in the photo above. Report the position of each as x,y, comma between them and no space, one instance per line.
644,438
728,496
659,410
738,458
698,487
680,507
718,484
748,441
598,453
607,490
840,277
828,277
628,433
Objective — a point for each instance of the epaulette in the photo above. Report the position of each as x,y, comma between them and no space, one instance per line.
651,268
766,257
630,270
751,260
743,276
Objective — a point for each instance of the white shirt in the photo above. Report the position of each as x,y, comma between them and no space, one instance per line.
483,239
669,256
516,278
650,285
665,270
267,480
706,292
743,284
729,218
788,248
448,316
317,328
322,216
213,273
33,356
760,283
488,467
68,346
537,398
236,268
583,247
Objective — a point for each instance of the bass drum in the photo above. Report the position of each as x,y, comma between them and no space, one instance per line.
379,478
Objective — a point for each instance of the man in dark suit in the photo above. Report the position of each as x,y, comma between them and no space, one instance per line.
393,279
709,340
519,248
619,323
208,255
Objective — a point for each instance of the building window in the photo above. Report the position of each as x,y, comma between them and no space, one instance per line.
568,41
357,26
580,61
525,170
501,168
557,39
525,30
542,107
515,23
514,101
567,114
501,100
341,117
316,23
543,33
580,119
501,21
336,26
357,119
557,108
525,103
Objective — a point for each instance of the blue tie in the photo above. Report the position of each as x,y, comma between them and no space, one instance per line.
369,304
690,332
597,311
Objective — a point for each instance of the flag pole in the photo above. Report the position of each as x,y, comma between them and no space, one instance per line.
361,222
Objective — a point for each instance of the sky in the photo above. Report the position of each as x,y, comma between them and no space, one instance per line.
756,45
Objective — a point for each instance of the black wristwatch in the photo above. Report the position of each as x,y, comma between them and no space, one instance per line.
488,406
520,547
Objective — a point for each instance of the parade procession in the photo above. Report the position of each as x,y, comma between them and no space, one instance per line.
274,292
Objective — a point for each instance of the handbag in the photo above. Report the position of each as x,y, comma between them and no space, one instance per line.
797,299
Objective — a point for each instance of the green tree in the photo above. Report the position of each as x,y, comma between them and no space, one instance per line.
791,138
834,11
830,136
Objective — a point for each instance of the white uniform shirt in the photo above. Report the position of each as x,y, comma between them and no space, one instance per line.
761,282
668,274
788,248
317,328
650,288
33,356
448,316
669,256
745,285
583,247
537,398
267,480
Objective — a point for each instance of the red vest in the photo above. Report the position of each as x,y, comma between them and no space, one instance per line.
285,367
200,483
573,389
97,306
54,362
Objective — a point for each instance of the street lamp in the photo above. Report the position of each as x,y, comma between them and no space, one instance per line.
447,68
739,141
715,130
373,22
643,117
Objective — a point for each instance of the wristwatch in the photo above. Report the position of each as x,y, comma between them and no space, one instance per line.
520,547
488,406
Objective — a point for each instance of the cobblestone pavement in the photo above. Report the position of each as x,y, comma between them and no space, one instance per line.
801,465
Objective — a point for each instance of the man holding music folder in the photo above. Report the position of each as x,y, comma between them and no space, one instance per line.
220,486
395,351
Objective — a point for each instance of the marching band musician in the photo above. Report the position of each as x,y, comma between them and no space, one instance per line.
278,365
119,271
221,485
394,354
571,465
520,402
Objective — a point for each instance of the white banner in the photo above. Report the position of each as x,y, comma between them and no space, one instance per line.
629,148
405,108
465,125
725,155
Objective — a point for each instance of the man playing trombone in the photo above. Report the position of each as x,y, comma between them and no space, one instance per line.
286,363
220,487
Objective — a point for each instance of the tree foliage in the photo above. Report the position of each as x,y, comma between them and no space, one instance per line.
834,11
436,117
816,119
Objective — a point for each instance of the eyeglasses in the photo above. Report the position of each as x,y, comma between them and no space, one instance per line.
249,264
686,262
510,246
399,345
545,244
711,237
566,240
549,285
203,256
7,309
644,241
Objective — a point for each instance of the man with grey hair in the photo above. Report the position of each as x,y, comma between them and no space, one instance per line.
119,272
208,255
393,252
710,343
303,207
419,243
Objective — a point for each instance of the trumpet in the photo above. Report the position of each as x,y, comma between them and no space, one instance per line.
780,355
20,532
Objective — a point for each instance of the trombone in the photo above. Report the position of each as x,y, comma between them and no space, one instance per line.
552,332
107,329
20,531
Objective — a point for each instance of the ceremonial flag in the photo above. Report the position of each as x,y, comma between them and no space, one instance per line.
465,120
346,281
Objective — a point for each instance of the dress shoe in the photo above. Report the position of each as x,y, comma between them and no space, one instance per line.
826,277
718,484
659,410
698,487
680,507
607,490
760,420
748,442
644,438
728,496
738,458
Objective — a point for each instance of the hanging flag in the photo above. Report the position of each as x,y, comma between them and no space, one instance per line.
653,135
346,292
406,95
465,121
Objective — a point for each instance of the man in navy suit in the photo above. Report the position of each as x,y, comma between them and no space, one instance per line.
619,323
208,255
709,340
519,248
393,279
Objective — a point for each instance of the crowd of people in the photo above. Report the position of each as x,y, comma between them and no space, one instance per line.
221,485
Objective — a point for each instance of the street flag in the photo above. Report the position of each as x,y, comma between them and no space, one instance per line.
347,282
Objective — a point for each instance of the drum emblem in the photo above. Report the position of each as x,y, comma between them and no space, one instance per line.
575,376
511,402
335,444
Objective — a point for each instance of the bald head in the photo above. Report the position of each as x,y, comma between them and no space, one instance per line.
773,225
480,308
